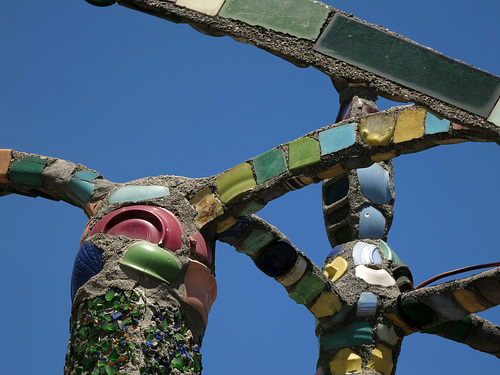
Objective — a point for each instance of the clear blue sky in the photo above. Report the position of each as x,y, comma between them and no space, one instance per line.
131,95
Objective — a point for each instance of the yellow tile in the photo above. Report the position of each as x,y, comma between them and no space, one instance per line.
328,304
468,300
345,361
377,129
381,360
385,156
410,125
5,156
336,268
332,172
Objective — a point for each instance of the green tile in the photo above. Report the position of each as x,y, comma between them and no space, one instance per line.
303,152
355,334
301,18
309,286
234,182
255,241
269,164
410,65
28,171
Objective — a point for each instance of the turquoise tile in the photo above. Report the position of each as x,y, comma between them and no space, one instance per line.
338,138
371,223
80,191
86,175
375,184
409,64
300,18
435,125
28,171
355,334
269,164
133,193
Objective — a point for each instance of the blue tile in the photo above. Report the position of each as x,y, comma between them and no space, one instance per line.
375,184
371,223
338,138
133,193
87,175
435,125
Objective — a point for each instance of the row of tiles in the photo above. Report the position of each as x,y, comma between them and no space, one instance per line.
359,44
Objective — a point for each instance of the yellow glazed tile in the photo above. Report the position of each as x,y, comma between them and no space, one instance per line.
209,7
385,156
207,205
332,172
336,268
327,304
5,156
410,125
468,300
345,361
377,129
381,360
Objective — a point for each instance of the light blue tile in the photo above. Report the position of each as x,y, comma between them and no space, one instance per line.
86,175
435,125
494,116
338,138
134,193
80,191
371,223
375,184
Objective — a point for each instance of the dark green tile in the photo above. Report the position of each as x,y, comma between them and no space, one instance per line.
28,171
410,65
301,18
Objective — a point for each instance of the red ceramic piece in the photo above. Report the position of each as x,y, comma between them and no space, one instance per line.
200,288
150,223
198,245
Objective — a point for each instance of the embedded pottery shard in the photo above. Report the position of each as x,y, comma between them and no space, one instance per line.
375,277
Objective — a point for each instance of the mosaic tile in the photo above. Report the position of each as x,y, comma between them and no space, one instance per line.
409,64
343,234
456,126
269,164
409,125
365,253
338,138
309,286
494,116
235,182
200,288
404,278
225,224
371,223
388,253
367,304
198,245
400,323
305,21
377,129
28,171
88,262
335,251
332,172
375,277
88,175
207,206
468,300
152,260
336,268
375,184
91,208
445,306
327,304
133,193
5,156
149,223
209,7
235,232
80,191
337,191
295,273
458,330
303,152
355,334
381,360
299,182
277,259
417,314
345,362
252,208
255,241
387,334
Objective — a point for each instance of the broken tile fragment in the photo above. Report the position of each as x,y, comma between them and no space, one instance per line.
235,182
269,164
327,304
371,223
381,360
345,362
277,259
207,206
337,138
208,7
303,152
135,193
28,171
409,125
309,286
355,334
375,184
377,129
200,288
254,242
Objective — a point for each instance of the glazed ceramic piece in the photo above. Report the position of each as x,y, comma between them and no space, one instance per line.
365,253
375,277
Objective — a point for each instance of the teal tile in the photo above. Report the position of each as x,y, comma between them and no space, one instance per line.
28,171
255,241
87,175
301,18
134,193
80,191
355,334
338,138
435,125
409,64
303,152
269,164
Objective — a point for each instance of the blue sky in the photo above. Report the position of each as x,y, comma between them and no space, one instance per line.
131,96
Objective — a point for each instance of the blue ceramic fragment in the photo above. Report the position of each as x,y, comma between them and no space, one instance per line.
277,259
80,191
371,223
88,262
134,193
338,138
367,304
446,307
335,251
233,234
87,175
375,184
435,125
365,253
